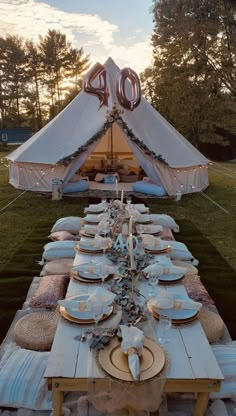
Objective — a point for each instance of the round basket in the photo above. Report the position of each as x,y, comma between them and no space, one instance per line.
36,331
212,325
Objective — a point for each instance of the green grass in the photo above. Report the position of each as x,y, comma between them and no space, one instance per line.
26,224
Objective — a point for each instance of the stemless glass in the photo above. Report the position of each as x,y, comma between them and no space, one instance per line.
152,281
163,326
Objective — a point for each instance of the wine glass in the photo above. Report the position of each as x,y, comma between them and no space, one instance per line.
97,312
152,281
163,326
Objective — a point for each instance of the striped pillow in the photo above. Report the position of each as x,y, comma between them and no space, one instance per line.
22,383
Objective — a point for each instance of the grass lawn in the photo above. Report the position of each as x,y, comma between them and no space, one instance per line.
205,228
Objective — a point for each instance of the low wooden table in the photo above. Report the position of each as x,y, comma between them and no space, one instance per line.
193,367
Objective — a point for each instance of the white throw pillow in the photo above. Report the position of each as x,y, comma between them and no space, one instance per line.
165,221
21,381
71,224
226,358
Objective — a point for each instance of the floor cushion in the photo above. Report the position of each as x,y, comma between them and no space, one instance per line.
62,236
22,384
212,325
226,358
49,291
57,266
149,188
36,331
128,178
76,187
71,224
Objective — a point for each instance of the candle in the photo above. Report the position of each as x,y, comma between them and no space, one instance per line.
131,252
122,196
130,225
116,188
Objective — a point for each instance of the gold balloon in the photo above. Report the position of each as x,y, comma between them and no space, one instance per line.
101,91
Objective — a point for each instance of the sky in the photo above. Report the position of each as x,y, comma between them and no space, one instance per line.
117,28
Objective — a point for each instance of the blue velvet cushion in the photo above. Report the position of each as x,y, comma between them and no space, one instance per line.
110,179
148,188
76,187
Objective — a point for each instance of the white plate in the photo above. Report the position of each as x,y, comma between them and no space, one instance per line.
84,245
171,277
83,315
178,314
82,270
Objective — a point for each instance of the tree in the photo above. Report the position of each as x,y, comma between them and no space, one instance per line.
59,60
192,80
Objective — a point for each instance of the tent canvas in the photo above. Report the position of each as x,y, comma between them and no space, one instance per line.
61,147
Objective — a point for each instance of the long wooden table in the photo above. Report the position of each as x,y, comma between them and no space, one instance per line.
193,367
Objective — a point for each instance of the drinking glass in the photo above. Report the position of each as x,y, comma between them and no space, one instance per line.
163,326
152,281
97,313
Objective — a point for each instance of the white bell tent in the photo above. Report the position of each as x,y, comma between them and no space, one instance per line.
82,132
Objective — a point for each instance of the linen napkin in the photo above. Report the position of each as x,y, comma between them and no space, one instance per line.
94,207
100,241
150,240
161,270
132,345
149,228
165,300
100,296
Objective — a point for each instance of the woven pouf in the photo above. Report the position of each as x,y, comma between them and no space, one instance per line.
36,331
212,324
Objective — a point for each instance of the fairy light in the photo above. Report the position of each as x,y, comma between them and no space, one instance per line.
181,186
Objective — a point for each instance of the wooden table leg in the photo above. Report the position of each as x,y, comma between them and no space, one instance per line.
57,396
201,404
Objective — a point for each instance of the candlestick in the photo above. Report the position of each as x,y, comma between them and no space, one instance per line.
116,188
131,252
130,224
122,196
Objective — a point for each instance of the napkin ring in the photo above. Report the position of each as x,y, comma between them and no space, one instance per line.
90,269
132,350
166,270
178,304
82,306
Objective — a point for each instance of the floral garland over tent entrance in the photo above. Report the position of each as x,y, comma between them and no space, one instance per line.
112,117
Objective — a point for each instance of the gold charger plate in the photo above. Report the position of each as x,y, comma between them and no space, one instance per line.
85,234
82,250
174,321
115,362
84,280
164,250
83,321
169,282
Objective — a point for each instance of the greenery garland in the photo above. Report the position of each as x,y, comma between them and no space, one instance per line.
114,116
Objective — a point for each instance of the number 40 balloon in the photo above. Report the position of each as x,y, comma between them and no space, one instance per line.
101,90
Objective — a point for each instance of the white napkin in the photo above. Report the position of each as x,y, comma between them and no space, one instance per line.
161,270
132,345
165,300
149,228
103,227
150,240
94,207
102,241
101,296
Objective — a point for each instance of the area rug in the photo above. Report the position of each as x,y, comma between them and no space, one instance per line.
216,274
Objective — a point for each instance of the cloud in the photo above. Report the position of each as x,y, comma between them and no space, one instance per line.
138,56
30,18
